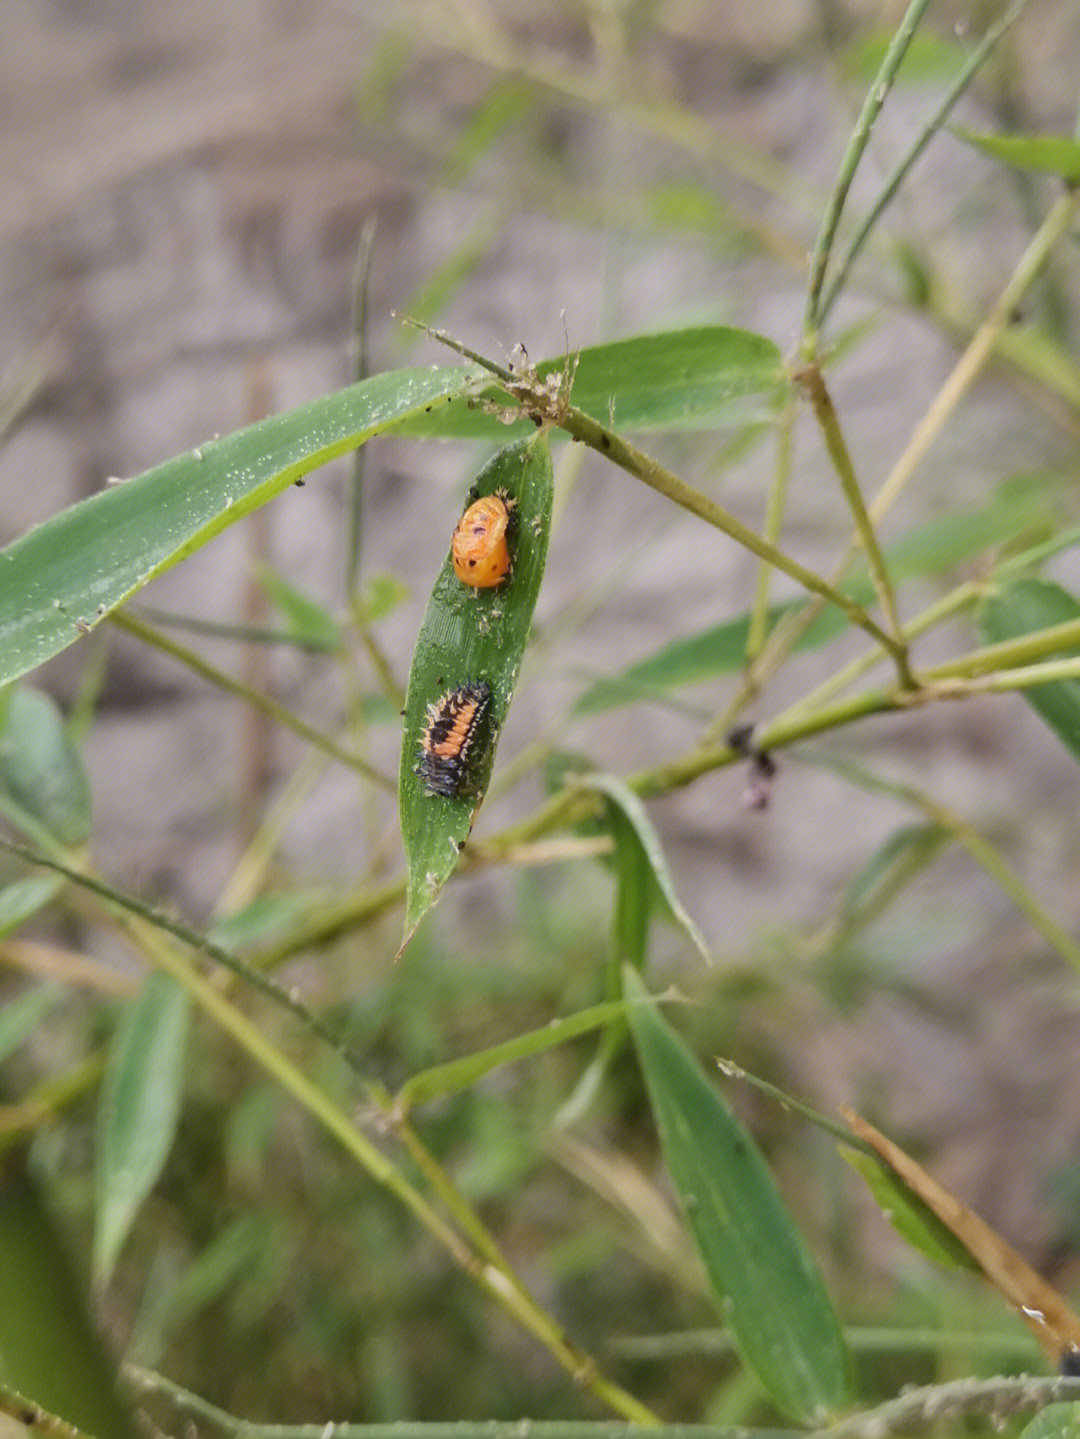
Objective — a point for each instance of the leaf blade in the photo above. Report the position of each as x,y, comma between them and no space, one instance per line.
470,636
1024,607
138,1113
63,577
757,1263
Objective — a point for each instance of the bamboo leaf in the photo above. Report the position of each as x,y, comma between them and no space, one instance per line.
907,1214
21,1015
757,1263
458,1074
683,379
138,1114
63,577
50,1350
1048,154
1058,1421
309,623
470,636
648,866
927,549
1025,607
43,785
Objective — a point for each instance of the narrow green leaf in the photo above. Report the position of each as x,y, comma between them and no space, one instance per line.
927,549
380,596
267,919
929,58
684,379
458,1074
63,578
467,636
310,623
652,865
1025,607
634,888
757,1263
49,1349
1058,1421
1048,154
43,785
139,1109
890,869
19,1017
231,1254
906,1212
23,898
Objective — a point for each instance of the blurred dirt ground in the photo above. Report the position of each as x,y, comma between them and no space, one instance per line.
184,187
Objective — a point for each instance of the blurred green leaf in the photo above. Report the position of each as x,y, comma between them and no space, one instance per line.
458,1074
638,847
23,898
213,1273
1025,607
1057,1421
1048,154
685,207
266,918
43,785
684,379
309,623
138,1112
906,1212
507,104
929,58
379,597
927,549
769,1289
63,577
19,1017
890,869
470,635
49,1350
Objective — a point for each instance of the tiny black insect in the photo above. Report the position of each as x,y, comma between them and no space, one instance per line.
453,727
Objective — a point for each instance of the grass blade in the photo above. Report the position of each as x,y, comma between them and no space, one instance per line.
758,1265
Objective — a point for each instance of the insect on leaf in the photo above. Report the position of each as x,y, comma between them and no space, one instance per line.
468,638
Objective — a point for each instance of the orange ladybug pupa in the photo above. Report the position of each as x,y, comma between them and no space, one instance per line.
480,549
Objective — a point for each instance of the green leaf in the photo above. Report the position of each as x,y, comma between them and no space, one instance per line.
231,1254
757,1263
470,635
23,898
1025,607
64,577
928,58
927,549
43,785
138,1113
890,869
1058,1421
19,1017
49,1349
380,596
309,623
1048,154
906,1212
684,379
647,866
458,1074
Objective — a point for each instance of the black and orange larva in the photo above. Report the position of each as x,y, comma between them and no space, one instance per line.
453,727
